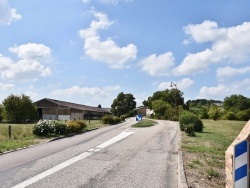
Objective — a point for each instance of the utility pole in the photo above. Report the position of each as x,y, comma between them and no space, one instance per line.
175,97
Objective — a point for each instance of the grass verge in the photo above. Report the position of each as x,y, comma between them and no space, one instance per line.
22,135
204,154
145,123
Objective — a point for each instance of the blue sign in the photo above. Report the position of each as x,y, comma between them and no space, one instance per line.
138,117
241,164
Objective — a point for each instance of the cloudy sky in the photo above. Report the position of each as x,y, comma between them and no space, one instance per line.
88,51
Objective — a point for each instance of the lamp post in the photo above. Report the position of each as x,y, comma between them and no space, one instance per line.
172,84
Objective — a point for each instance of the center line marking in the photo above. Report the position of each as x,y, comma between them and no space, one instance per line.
65,164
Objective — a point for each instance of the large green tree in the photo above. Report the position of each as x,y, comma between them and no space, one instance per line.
19,109
174,97
236,103
123,104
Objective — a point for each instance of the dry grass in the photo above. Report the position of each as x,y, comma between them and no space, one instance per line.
204,155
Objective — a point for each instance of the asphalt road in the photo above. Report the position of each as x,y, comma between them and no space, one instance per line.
110,157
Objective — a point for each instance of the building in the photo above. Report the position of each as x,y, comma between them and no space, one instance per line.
143,110
52,109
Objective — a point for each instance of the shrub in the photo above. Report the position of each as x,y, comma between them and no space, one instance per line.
60,128
189,129
243,115
107,119
82,124
123,117
43,128
73,127
230,116
187,118
110,120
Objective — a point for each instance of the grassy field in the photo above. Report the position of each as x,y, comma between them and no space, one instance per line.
22,135
204,154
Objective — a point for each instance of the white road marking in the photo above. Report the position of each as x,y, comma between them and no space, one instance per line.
63,165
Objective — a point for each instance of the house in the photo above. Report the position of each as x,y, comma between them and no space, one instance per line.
52,109
143,110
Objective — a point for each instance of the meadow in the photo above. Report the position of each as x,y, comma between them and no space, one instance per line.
204,154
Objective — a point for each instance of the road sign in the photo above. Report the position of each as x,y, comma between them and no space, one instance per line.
138,117
241,165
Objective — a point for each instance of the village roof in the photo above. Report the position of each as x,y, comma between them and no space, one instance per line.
75,105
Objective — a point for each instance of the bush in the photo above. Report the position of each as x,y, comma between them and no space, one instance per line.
82,124
107,119
73,127
60,128
189,129
43,128
187,118
110,120
230,116
243,115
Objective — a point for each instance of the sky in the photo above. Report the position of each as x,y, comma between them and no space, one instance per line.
88,51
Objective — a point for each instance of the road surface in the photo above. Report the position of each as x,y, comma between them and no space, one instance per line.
110,157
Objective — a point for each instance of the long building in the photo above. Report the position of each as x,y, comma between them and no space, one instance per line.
52,109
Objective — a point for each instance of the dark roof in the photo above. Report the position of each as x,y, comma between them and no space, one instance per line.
76,106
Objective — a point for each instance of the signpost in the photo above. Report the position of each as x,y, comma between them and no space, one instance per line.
138,117
241,165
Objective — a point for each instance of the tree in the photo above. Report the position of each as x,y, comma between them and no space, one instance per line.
236,103
214,112
19,109
1,112
173,97
99,106
160,107
123,104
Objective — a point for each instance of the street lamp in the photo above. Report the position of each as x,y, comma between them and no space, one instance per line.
172,84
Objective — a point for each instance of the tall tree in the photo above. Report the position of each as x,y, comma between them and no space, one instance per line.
174,97
236,103
19,109
124,103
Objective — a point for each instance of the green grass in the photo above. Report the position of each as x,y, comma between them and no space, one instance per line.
22,135
206,151
145,123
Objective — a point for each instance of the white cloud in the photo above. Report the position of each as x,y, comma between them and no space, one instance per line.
7,14
231,45
6,87
29,67
158,65
106,51
181,85
85,92
225,73
221,91
31,51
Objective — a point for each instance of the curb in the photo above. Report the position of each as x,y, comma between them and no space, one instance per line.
182,177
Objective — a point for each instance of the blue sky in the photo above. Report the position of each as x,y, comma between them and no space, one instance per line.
88,51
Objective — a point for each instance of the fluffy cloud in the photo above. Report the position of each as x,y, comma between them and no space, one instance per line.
225,73
106,51
230,45
7,14
29,67
31,51
182,84
158,65
221,91
85,92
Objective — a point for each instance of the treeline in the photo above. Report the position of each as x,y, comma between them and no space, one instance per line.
234,107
